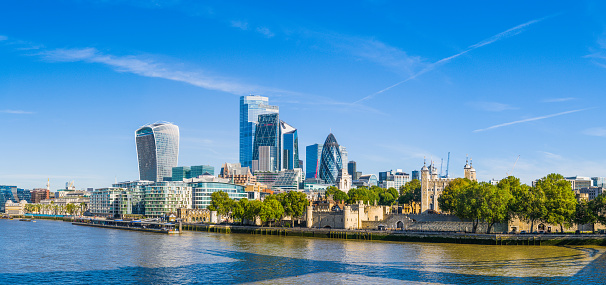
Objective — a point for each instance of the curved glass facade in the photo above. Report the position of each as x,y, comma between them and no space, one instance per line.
330,162
157,150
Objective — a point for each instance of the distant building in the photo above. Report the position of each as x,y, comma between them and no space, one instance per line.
6,194
197,170
162,198
393,179
123,198
288,180
39,194
331,161
267,177
351,170
157,150
181,172
415,175
15,208
369,180
313,153
203,187
267,134
343,181
598,181
237,174
24,195
185,172
250,109
432,185
290,146
578,182
591,192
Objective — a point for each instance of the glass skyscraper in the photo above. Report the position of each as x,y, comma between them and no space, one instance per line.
157,150
267,133
312,156
250,109
290,146
331,162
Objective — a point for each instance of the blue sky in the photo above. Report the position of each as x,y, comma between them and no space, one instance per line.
395,81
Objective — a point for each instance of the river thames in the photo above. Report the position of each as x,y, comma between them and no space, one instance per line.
58,252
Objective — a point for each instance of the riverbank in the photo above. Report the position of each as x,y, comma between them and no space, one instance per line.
394,236
410,236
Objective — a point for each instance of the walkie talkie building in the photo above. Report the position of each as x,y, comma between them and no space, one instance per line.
157,150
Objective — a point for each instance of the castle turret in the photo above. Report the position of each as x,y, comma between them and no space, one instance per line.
425,176
470,172
309,215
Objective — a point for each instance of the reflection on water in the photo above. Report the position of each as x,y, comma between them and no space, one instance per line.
58,252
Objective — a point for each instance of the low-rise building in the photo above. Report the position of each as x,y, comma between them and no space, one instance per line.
202,190
165,197
237,174
15,209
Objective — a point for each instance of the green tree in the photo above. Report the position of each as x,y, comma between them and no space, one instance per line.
295,203
220,202
337,194
239,209
271,210
70,208
494,204
560,201
410,192
584,214
532,206
252,210
450,201
363,194
598,208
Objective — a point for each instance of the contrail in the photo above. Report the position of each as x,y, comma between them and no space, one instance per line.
529,120
506,34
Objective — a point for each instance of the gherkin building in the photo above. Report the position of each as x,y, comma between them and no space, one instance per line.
331,162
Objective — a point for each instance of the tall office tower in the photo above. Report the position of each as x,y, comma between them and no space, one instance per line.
312,155
416,175
343,151
157,150
250,109
267,133
351,170
290,146
331,161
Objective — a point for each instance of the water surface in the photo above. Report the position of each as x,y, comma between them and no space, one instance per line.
58,252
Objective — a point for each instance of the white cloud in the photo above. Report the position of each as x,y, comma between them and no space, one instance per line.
3,38
557,100
492,106
265,31
503,35
240,25
20,112
528,120
151,68
377,52
550,155
596,132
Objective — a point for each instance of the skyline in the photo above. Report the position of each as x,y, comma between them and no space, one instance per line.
395,82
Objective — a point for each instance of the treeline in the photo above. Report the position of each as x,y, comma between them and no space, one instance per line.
56,209
382,196
551,201
273,208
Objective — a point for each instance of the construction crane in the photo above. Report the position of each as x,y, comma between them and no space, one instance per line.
514,166
447,166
